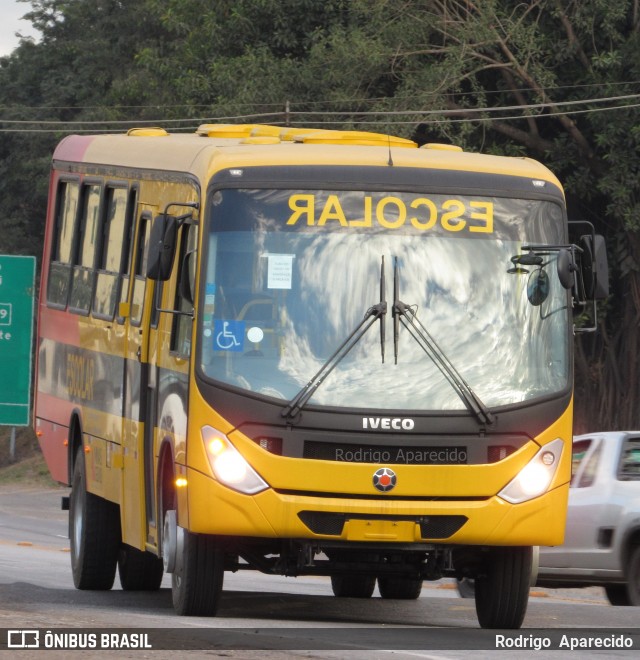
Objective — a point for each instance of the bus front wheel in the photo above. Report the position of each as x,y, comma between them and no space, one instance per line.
502,591
94,531
198,574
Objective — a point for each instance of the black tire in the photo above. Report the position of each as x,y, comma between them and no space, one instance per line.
400,588
632,571
628,593
502,591
353,586
617,594
94,531
196,584
138,570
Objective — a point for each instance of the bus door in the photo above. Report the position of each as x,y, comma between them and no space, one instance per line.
138,519
158,348
169,357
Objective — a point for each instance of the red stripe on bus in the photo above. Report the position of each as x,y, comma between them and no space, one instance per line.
60,326
73,148
55,409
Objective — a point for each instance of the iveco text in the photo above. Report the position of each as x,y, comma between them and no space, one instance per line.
396,423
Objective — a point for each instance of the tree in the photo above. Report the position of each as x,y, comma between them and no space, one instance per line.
555,53
82,69
553,79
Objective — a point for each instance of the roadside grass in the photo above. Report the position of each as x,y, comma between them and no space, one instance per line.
31,471
25,466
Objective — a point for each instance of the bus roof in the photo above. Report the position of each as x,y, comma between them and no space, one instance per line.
219,146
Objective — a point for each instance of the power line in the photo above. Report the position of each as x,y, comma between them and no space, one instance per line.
419,115
546,109
58,122
465,111
373,99
324,122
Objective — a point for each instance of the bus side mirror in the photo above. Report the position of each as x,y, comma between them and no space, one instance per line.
188,277
594,267
162,247
566,268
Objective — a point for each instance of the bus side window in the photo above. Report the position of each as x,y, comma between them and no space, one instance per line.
140,267
128,248
66,209
183,322
83,276
114,244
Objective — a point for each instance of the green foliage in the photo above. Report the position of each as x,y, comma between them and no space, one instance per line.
81,69
496,76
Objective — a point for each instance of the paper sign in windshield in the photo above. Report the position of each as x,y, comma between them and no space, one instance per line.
280,271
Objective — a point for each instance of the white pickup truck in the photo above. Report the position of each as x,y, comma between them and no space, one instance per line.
602,540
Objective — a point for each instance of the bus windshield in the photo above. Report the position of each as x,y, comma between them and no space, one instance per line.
289,274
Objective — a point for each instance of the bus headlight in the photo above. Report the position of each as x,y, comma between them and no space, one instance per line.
228,464
535,477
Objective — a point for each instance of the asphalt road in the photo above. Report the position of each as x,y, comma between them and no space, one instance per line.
289,617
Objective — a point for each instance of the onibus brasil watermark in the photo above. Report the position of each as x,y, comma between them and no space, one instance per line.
581,640
38,639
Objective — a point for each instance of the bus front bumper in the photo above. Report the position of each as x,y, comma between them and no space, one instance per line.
215,509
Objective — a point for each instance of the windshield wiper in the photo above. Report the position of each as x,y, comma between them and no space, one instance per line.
404,313
383,307
377,311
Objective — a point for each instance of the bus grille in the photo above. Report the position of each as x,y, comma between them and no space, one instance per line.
431,527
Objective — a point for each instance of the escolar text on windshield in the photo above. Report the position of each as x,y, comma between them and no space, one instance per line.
393,212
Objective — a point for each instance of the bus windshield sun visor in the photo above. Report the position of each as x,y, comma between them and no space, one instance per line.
376,312
401,312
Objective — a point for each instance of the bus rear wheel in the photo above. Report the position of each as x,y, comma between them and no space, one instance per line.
138,570
401,588
353,586
94,531
502,591
196,581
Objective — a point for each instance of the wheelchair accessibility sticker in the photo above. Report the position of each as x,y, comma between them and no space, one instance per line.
228,335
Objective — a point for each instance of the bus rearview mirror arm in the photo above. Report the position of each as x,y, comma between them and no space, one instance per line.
582,267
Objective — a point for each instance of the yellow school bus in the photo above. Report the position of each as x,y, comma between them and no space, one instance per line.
308,352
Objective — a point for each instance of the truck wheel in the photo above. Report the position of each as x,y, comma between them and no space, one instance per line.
401,588
138,570
196,583
502,591
94,531
353,586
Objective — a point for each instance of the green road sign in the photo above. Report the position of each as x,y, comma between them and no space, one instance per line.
17,278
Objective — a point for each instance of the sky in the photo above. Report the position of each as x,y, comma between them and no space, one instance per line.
10,23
